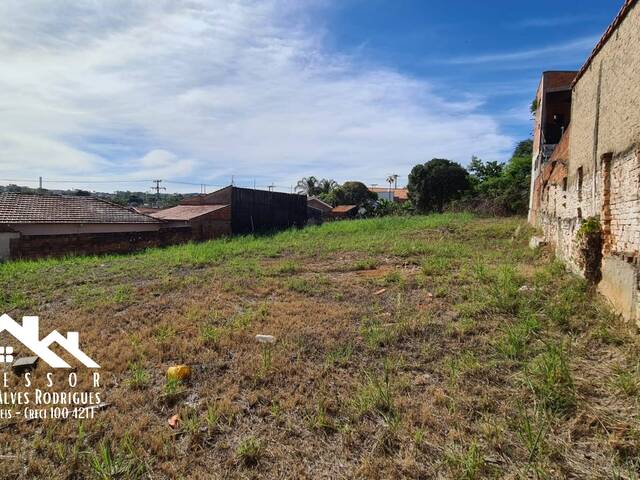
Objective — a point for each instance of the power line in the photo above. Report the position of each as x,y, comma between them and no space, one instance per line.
157,188
42,181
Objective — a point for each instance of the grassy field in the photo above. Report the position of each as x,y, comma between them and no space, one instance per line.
436,346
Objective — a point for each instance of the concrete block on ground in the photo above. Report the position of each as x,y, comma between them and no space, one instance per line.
537,242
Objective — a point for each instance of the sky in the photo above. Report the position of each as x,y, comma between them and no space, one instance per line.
109,95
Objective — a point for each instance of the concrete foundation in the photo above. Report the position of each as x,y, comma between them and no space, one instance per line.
618,276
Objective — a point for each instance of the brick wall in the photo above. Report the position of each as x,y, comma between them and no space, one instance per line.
622,204
213,225
31,246
603,168
606,106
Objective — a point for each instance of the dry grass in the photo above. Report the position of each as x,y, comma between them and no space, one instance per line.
451,372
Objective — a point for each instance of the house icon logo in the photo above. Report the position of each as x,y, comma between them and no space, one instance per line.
28,334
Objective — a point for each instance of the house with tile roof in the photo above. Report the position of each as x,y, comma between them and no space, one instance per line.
342,212
34,225
398,195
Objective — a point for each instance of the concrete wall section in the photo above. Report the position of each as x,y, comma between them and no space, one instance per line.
617,276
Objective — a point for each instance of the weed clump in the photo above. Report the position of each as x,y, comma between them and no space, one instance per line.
376,395
249,451
515,340
109,462
138,377
552,381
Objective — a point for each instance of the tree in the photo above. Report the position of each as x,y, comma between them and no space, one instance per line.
314,187
326,186
308,185
135,200
351,193
517,182
506,192
524,149
483,171
433,184
393,179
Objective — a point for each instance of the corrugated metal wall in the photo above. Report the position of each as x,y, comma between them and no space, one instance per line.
261,211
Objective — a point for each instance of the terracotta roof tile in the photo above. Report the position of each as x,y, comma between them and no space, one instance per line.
19,208
343,208
186,212
401,193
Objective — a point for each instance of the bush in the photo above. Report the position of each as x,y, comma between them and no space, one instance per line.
437,182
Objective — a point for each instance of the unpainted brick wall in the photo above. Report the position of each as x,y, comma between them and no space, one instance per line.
99,243
624,204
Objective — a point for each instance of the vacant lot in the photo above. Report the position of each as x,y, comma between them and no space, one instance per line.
418,347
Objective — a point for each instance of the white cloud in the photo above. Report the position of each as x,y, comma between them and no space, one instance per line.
550,53
203,90
551,21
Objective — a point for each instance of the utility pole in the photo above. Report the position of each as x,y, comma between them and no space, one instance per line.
157,188
40,183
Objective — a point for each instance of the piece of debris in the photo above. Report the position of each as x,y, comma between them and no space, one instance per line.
173,421
525,288
24,364
536,242
266,338
179,372
380,292
424,379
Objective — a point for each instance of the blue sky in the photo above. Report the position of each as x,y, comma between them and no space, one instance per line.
495,50
107,95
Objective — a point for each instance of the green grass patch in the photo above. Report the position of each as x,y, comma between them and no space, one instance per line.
551,380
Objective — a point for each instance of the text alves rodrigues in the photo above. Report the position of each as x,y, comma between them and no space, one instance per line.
54,396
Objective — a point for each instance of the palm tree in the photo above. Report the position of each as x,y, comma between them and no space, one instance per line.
326,186
308,185
392,179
